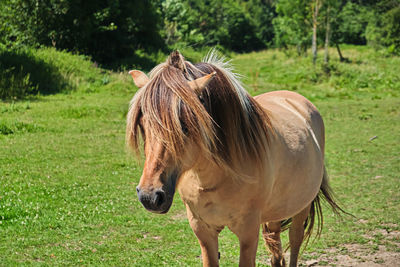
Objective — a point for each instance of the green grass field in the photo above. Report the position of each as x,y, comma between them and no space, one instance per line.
67,182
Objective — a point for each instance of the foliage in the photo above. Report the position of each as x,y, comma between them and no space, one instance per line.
293,24
22,74
25,72
105,30
262,13
120,32
239,34
180,22
212,22
392,30
350,23
384,27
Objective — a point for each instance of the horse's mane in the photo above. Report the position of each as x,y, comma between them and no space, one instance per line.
229,126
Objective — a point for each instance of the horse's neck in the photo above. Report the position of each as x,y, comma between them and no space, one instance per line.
208,174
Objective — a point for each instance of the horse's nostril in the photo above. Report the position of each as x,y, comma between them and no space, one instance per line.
153,201
137,189
159,198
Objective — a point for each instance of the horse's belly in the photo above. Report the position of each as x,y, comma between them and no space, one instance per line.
291,197
297,177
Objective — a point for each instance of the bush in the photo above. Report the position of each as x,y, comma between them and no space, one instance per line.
13,127
23,74
26,72
384,30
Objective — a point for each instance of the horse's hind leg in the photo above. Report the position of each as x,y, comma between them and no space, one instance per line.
296,235
272,238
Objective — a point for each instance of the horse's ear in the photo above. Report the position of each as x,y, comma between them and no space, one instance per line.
199,84
139,78
177,60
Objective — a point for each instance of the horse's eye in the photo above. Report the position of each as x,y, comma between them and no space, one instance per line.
185,130
201,98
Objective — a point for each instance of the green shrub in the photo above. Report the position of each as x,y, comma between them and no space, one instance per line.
44,71
7,128
14,83
22,74
384,28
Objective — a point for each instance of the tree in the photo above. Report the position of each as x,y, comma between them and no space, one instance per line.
352,22
327,32
180,22
316,4
212,22
348,23
384,28
293,23
107,30
262,13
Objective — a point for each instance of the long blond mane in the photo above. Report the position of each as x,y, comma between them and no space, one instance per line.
230,128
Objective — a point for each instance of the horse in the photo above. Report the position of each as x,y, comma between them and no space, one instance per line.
238,161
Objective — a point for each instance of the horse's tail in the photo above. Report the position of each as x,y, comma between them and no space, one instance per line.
326,194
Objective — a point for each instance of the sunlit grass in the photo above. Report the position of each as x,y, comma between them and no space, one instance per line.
67,183
367,75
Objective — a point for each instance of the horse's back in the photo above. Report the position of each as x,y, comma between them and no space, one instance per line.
296,149
290,109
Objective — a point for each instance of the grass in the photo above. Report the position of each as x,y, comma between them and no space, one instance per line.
67,184
369,75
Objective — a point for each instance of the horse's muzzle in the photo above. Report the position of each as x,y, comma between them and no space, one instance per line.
156,201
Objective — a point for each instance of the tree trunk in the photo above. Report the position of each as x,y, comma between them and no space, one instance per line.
327,36
314,36
340,53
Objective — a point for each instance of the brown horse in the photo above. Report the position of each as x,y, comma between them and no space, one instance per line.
237,161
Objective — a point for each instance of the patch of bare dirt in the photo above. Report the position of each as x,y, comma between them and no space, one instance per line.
354,255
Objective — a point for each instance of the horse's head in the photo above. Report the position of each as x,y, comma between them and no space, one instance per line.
160,173
170,117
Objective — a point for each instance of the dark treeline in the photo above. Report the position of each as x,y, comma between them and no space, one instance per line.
110,31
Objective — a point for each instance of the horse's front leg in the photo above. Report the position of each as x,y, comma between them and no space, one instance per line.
208,239
247,231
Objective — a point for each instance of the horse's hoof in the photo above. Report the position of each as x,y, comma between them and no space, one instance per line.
278,262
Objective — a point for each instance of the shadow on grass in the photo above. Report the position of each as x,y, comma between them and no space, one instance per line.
138,60
22,74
